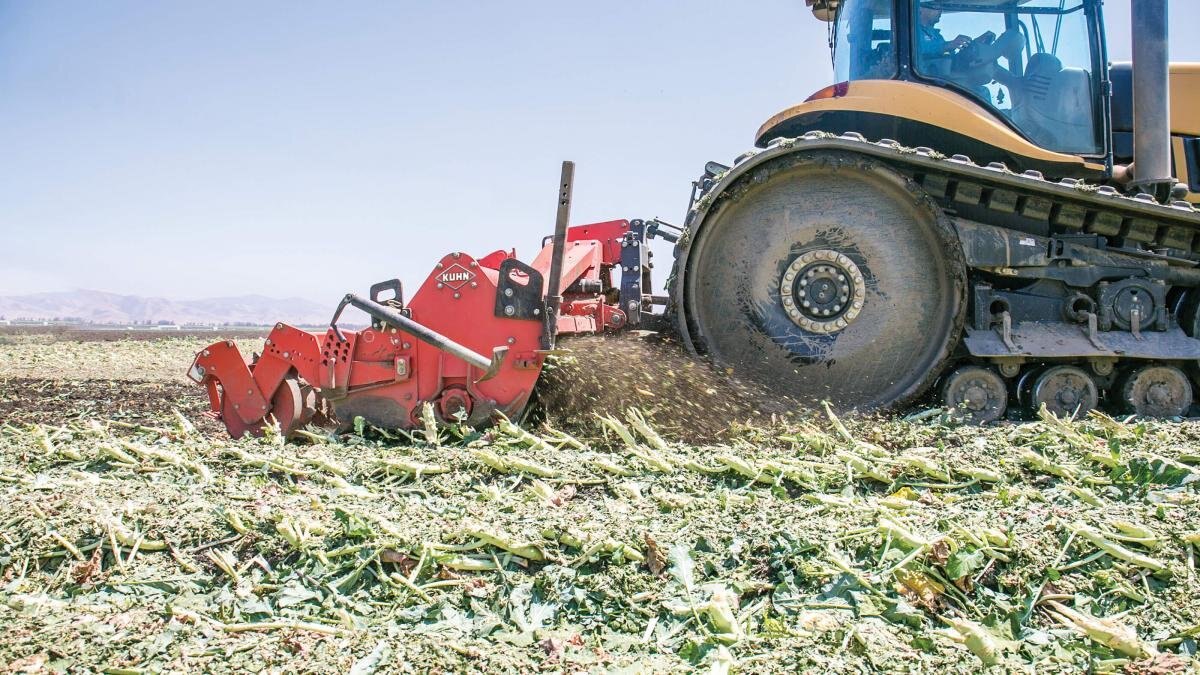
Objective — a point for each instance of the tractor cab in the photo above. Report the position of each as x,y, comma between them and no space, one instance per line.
1037,64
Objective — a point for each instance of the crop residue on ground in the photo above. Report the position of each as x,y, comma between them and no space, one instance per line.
139,539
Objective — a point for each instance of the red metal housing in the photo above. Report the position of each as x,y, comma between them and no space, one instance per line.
386,374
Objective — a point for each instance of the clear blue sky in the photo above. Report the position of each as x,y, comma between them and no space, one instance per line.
193,149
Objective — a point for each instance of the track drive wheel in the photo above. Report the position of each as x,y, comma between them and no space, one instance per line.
975,395
1066,391
826,276
1157,391
287,408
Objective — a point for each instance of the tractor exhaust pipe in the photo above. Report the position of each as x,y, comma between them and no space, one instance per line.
1152,169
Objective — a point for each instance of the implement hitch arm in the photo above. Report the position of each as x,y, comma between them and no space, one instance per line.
393,317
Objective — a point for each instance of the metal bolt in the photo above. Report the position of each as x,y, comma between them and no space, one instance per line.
811,274
474,284
441,285
440,266
789,302
406,345
509,310
457,295
474,264
456,254
536,312
803,283
807,304
287,355
508,292
512,341
206,352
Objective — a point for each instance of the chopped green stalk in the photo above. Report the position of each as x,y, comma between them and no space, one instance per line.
129,537
107,450
532,468
1134,534
656,462
978,639
224,561
608,466
1098,540
236,519
926,466
901,534
464,563
862,467
619,429
525,550
1037,462
639,423
979,473
409,467
1083,494
1107,632
745,468
524,437
429,425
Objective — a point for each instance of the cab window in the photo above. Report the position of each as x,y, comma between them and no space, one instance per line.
1031,62
863,48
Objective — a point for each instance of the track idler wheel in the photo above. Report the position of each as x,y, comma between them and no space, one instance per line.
975,395
1066,391
826,277
1157,391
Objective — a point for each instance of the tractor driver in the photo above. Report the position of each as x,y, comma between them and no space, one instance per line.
969,62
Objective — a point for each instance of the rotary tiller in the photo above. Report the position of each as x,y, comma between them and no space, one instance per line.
471,342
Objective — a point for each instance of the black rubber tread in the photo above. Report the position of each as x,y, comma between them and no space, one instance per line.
905,245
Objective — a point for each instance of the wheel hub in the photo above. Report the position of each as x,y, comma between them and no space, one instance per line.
1065,391
1157,391
975,395
822,291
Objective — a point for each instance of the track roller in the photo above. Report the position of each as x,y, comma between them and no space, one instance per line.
975,395
1157,391
1066,391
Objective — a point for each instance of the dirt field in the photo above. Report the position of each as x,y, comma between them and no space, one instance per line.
134,537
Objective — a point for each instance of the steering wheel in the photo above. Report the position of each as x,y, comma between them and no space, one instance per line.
971,56
970,64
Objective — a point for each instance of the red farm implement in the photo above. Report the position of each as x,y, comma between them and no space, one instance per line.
471,342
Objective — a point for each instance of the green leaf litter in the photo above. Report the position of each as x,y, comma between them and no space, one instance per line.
603,545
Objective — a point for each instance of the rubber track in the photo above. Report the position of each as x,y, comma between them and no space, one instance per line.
1054,208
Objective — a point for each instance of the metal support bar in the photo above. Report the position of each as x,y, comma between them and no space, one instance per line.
1152,170
634,259
388,315
562,219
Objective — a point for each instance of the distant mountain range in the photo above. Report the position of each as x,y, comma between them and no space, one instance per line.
110,308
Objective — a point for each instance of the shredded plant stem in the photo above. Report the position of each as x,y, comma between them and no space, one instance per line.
617,533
